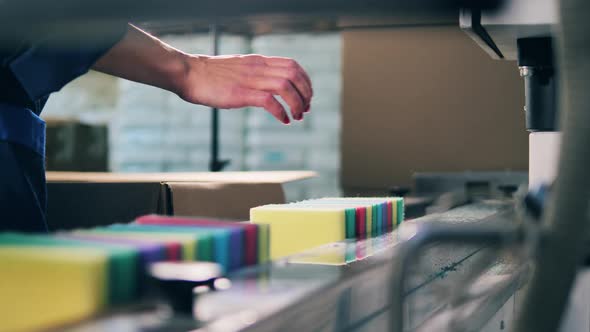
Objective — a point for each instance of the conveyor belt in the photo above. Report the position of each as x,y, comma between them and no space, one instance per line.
333,287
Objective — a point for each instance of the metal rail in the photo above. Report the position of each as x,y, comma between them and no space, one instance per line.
433,233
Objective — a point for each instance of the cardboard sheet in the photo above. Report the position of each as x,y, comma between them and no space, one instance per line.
232,177
82,200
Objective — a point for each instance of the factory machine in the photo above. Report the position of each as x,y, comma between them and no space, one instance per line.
507,261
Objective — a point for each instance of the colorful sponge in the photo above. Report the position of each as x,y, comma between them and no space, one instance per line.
78,273
90,270
230,244
122,262
246,241
149,253
303,225
45,286
196,244
178,247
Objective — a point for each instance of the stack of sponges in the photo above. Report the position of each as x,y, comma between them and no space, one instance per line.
48,280
248,245
295,227
230,244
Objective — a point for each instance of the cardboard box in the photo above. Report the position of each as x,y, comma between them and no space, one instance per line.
426,99
79,200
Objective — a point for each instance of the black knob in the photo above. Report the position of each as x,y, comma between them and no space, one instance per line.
177,280
508,189
399,191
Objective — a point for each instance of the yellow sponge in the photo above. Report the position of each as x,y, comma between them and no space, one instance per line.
293,232
43,287
307,224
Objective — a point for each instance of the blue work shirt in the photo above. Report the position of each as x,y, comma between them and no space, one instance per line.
29,73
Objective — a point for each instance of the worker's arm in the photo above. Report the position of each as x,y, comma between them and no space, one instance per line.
219,81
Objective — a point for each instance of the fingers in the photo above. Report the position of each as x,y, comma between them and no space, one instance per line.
254,80
293,70
289,63
296,77
285,89
266,100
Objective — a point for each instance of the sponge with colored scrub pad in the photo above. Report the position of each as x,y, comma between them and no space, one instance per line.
212,245
303,225
293,229
45,287
177,247
249,232
387,212
123,272
149,252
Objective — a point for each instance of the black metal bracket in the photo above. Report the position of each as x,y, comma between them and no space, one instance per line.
470,21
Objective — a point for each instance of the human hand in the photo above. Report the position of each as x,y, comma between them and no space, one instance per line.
235,81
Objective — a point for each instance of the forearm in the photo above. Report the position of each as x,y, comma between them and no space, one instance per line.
233,81
142,58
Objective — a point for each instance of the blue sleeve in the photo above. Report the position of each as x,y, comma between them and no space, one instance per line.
49,64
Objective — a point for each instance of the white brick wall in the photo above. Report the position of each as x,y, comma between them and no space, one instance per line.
154,130
314,143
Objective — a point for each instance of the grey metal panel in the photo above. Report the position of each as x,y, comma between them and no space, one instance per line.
435,183
515,19
88,22
39,10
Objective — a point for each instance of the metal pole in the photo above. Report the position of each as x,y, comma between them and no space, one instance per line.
215,164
